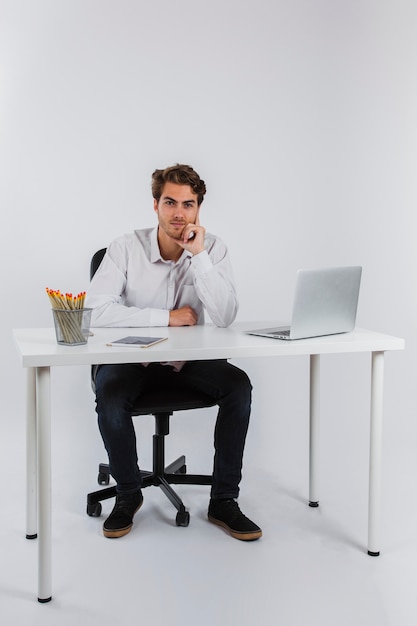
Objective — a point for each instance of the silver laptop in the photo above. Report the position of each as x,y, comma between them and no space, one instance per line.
325,303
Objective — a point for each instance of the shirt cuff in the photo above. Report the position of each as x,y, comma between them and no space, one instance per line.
159,317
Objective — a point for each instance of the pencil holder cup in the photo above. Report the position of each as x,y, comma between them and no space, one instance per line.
72,326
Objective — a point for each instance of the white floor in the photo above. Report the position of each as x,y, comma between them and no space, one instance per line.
309,568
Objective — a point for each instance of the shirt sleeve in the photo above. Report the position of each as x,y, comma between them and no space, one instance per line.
105,296
214,283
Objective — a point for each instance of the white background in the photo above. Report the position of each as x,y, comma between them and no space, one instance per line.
301,118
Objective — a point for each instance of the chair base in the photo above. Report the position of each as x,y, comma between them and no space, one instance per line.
160,476
175,473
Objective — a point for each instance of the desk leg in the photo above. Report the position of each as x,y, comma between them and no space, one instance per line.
44,484
375,452
314,429
31,455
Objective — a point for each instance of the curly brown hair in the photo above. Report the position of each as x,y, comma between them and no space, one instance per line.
180,175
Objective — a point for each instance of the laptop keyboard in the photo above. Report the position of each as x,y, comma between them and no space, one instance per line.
286,333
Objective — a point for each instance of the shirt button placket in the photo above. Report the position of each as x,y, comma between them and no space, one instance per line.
171,287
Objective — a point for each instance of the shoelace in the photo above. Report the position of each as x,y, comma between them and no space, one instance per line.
125,504
232,508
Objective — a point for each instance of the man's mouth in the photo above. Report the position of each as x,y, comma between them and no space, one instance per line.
176,229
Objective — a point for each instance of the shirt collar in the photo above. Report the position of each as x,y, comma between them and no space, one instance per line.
155,253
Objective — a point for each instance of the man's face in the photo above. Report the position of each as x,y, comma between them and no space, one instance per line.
176,208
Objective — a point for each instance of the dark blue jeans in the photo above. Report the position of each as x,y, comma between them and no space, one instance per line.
117,388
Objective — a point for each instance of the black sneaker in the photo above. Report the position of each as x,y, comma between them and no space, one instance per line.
120,520
226,513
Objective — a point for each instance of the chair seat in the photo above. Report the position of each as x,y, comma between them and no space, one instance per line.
170,400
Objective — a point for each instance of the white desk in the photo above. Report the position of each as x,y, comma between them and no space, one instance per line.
39,352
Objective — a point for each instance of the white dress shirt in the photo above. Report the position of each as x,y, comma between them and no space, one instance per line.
135,287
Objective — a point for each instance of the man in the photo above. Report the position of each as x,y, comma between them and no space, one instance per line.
167,276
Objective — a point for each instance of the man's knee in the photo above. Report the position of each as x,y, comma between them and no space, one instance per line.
117,381
240,379
238,387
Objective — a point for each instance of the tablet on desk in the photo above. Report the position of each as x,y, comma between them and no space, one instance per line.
136,342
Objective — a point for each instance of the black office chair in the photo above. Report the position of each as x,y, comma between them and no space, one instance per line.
160,404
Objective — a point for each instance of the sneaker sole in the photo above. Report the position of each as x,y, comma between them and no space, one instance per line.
119,532
243,536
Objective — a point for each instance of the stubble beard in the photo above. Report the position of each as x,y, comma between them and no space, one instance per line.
173,233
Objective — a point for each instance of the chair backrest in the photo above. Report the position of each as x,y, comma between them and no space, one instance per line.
96,260
94,265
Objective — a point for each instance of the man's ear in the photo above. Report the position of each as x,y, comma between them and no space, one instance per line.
155,205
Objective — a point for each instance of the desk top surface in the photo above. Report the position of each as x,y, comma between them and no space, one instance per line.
38,347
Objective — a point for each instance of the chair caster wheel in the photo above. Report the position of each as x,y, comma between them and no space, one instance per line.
182,519
94,510
103,479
